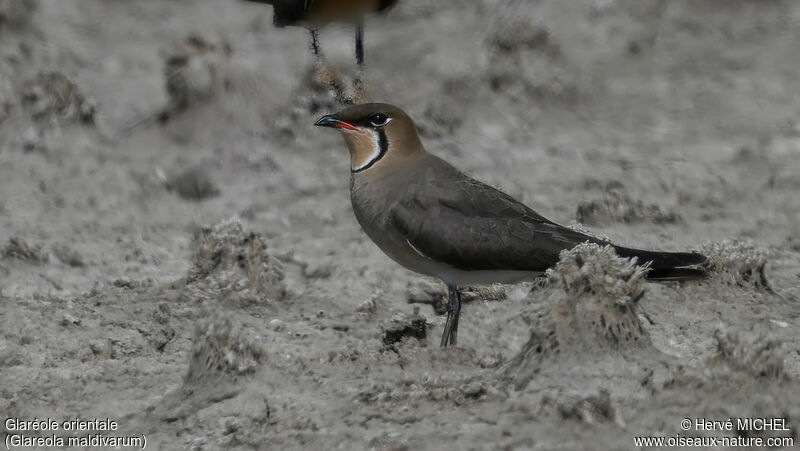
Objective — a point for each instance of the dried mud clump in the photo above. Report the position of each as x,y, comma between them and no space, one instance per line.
737,263
619,207
51,95
593,305
741,359
16,13
757,355
590,409
221,348
324,89
69,256
232,263
519,35
745,378
388,441
18,249
603,289
193,184
196,70
402,326
526,61
458,389
327,79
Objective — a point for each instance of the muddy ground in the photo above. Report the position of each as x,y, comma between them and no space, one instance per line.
182,257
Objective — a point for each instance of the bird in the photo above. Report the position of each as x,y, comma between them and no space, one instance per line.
435,220
315,14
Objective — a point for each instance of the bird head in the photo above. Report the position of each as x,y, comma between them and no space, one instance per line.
376,134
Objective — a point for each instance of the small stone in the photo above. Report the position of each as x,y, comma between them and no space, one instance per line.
473,389
277,324
162,313
490,361
782,324
125,283
69,320
402,326
368,306
193,184
230,425
31,140
317,271
101,348
68,256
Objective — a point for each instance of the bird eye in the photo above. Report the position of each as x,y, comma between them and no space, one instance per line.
379,120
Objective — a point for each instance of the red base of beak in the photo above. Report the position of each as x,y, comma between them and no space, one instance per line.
332,121
346,125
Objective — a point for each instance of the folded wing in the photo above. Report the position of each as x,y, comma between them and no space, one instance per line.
472,226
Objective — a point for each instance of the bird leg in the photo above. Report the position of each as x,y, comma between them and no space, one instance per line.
450,333
360,42
358,84
315,41
329,78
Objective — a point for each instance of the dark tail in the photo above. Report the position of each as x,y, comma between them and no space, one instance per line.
667,265
667,274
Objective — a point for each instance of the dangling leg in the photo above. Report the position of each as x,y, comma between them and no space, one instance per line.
315,42
360,94
360,42
323,74
450,333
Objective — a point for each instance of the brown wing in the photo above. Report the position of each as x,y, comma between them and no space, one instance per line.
469,225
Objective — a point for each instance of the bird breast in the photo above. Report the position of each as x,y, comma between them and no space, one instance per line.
372,205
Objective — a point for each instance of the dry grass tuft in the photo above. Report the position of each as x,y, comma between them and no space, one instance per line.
232,263
51,95
737,263
592,308
195,71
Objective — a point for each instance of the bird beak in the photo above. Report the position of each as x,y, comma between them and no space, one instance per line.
332,121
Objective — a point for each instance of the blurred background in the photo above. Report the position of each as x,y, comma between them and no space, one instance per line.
127,128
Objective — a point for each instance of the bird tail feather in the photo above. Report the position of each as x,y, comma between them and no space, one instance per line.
676,274
667,265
